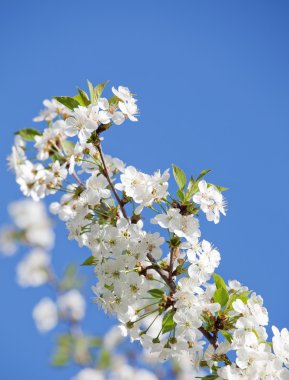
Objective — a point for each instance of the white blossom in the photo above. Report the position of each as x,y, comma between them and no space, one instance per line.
45,315
186,226
210,200
280,342
127,103
33,270
8,245
89,374
204,260
71,305
32,220
51,110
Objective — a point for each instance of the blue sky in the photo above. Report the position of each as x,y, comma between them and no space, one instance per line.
212,79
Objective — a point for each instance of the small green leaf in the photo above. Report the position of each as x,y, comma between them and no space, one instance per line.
227,335
113,100
156,293
70,279
91,91
94,341
89,261
181,195
180,177
67,101
221,296
98,90
210,377
220,283
79,100
203,173
62,353
109,287
28,134
104,359
84,97
168,323
219,188
68,146
60,358
192,188
243,296
265,342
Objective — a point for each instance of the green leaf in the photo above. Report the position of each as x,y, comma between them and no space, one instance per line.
227,335
79,100
98,90
192,188
156,293
221,296
220,188
91,91
220,283
109,287
243,296
84,97
67,101
60,358
70,279
80,347
181,195
210,377
168,323
113,100
95,341
203,173
104,359
89,261
62,353
68,146
180,177
28,134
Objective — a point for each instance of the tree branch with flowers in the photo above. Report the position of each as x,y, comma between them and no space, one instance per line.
104,356
167,277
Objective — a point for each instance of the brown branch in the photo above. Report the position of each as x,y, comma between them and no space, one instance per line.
212,339
209,337
171,284
171,266
107,176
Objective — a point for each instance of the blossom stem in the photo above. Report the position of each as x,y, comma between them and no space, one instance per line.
98,146
163,275
172,255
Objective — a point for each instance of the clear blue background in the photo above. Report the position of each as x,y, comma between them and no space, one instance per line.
212,79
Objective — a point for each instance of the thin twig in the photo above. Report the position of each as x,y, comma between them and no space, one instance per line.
171,284
98,146
172,256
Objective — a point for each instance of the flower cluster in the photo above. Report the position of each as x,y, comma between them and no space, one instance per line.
31,226
68,307
38,180
141,280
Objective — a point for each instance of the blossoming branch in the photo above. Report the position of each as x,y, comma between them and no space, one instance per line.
146,279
